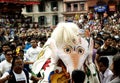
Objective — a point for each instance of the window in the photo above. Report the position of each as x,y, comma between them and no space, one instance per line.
29,8
54,6
42,20
75,7
55,19
68,8
68,5
82,6
41,7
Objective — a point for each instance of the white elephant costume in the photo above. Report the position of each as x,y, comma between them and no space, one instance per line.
64,52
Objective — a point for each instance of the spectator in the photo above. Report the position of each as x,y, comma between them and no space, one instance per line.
78,76
18,74
97,45
104,71
116,70
5,47
32,53
2,34
114,42
5,65
106,50
27,44
118,46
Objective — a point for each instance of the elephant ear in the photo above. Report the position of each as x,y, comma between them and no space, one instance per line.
48,51
91,44
93,76
54,50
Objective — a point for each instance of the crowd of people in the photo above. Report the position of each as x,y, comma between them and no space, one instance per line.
28,42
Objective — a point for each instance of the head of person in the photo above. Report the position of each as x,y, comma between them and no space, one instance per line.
17,64
87,32
103,64
33,42
28,39
5,46
116,65
13,45
8,55
108,40
114,42
78,76
97,44
21,53
105,34
99,38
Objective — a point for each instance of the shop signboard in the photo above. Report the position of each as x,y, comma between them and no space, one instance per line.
100,8
112,8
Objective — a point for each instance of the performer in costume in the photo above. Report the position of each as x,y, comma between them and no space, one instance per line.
64,52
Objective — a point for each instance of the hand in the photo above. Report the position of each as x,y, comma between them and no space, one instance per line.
8,77
39,78
67,75
36,79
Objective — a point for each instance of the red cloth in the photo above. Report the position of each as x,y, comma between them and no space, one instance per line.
30,2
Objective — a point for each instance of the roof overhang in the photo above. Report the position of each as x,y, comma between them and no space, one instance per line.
69,13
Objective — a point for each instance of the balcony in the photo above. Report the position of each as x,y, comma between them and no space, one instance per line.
68,10
75,10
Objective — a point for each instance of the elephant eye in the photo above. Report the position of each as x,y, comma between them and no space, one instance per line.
67,49
80,50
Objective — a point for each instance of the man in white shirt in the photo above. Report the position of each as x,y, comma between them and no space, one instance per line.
32,53
116,70
18,74
104,72
5,47
5,65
